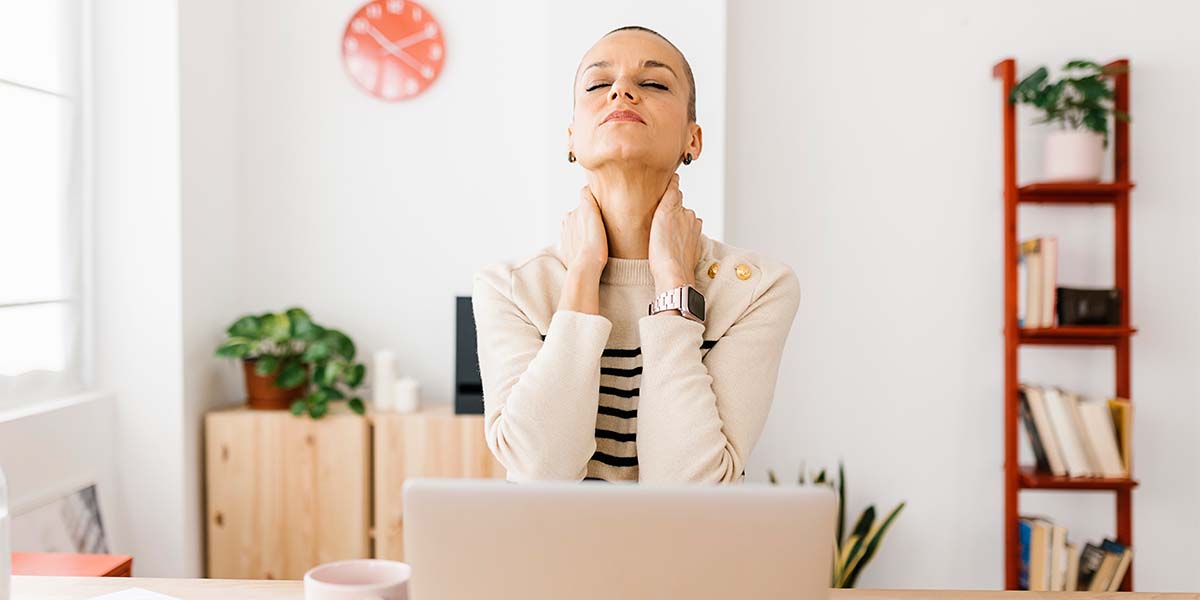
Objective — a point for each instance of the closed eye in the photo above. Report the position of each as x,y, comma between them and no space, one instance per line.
653,84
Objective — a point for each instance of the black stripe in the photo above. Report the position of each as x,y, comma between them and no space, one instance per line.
616,435
622,352
612,391
708,344
616,412
615,461
595,479
620,372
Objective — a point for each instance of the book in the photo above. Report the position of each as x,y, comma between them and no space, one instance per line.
1097,420
1122,568
1108,566
1049,296
1122,417
1089,561
1024,532
1034,279
1072,568
1035,441
1061,420
1045,430
1058,558
1022,291
1039,555
1085,438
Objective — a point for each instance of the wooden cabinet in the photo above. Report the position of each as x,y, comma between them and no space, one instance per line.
432,443
285,493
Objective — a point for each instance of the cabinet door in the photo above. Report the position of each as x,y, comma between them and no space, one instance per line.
431,443
285,493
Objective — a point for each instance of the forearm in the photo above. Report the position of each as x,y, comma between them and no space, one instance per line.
680,431
581,291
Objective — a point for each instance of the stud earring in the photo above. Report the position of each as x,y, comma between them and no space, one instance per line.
570,157
687,158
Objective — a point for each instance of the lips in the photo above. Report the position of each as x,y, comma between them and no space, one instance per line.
623,115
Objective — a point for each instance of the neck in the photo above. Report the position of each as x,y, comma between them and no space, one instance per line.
627,199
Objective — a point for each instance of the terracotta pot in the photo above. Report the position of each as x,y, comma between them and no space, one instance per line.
1073,155
263,394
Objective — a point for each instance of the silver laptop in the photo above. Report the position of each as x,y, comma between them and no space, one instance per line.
471,539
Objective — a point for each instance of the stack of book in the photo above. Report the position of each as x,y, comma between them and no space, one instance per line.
1050,563
1037,282
1076,438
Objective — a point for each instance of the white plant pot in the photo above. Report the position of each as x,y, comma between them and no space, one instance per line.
1073,155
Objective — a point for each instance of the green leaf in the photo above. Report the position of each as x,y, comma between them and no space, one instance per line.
291,374
331,373
876,538
331,393
303,327
820,477
340,343
356,375
298,407
356,405
276,327
265,365
247,327
841,521
317,410
234,348
318,351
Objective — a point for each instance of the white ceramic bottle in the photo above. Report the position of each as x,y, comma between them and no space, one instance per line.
5,550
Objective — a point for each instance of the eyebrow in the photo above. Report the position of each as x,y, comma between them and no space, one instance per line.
646,64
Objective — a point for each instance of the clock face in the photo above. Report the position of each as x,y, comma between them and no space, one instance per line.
393,49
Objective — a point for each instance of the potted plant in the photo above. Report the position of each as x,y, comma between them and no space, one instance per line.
1080,103
852,552
290,362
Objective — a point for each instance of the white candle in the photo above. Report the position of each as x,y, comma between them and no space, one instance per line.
406,395
383,376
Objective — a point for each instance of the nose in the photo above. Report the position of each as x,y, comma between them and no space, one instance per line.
623,88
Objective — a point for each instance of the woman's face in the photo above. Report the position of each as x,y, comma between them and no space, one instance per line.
638,72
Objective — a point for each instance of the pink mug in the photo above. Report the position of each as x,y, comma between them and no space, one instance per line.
358,579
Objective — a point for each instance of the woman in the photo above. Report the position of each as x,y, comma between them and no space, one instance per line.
585,378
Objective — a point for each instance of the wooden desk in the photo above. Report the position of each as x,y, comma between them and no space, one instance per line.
80,588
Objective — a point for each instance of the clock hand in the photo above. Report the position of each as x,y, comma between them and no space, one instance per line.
420,36
397,52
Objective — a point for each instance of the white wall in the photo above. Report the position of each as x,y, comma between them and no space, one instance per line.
211,233
374,215
865,151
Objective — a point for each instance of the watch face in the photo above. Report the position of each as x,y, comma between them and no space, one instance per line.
695,302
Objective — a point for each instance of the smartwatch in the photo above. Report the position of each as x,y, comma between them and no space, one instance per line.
685,298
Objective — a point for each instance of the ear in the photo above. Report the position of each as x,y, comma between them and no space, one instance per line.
696,141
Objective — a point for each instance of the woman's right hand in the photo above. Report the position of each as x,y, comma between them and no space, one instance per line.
583,239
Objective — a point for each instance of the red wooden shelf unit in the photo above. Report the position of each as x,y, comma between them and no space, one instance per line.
1115,193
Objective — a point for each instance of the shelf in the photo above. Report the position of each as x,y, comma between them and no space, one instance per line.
1073,193
1075,335
1031,479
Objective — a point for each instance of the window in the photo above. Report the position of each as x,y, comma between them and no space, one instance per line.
41,198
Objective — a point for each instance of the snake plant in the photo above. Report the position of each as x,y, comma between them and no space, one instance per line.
850,553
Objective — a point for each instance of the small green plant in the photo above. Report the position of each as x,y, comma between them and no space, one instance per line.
850,554
295,345
1080,99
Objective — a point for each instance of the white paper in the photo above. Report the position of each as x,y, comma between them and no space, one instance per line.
134,594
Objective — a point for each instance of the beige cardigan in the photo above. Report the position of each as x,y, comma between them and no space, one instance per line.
623,396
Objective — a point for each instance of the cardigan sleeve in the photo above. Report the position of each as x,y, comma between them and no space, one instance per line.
540,397
699,418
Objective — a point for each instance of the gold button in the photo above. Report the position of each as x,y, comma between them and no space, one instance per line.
743,271
712,270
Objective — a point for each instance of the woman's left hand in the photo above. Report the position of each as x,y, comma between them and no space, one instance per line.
674,241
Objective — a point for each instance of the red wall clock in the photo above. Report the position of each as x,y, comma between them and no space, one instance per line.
393,49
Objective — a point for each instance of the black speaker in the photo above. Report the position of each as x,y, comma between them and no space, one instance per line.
468,386
1089,306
